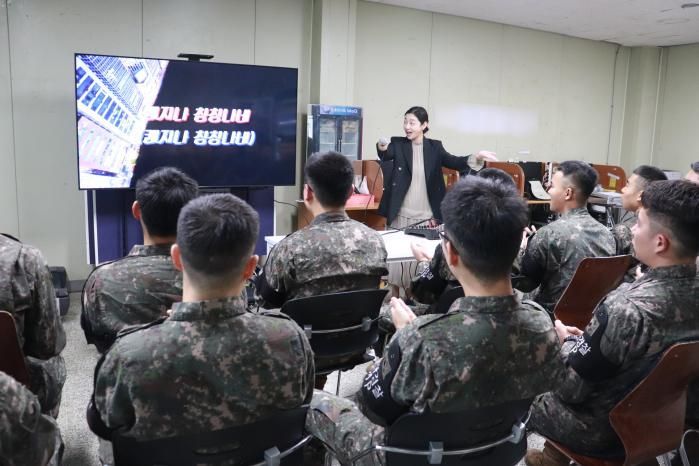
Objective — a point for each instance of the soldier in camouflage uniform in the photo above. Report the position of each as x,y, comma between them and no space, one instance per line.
631,202
27,437
629,331
143,285
26,292
553,254
490,348
212,364
334,253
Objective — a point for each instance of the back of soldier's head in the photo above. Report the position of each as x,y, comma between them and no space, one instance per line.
496,174
674,205
330,176
693,173
581,176
161,195
484,219
216,235
648,174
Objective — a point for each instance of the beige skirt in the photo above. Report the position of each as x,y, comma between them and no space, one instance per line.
401,274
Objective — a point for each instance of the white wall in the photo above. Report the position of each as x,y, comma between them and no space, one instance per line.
45,207
677,141
485,85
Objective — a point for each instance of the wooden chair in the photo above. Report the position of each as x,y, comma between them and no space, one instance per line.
610,176
450,177
593,279
512,169
12,360
650,419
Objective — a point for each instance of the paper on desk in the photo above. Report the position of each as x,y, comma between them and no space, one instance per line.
538,190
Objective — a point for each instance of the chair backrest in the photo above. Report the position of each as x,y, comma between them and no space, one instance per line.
338,324
650,419
610,176
450,177
244,445
512,169
460,430
593,279
12,360
448,298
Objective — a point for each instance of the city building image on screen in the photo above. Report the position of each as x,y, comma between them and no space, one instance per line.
223,124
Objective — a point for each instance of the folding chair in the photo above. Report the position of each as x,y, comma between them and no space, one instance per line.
650,419
494,435
273,441
339,326
12,360
593,279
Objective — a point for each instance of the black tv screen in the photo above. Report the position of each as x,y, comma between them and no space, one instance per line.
223,124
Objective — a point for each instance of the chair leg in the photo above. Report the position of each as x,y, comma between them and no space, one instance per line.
337,389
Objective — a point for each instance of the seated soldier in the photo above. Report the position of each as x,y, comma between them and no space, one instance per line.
143,285
26,292
629,331
631,202
334,253
434,277
27,437
554,252
211,364
490,348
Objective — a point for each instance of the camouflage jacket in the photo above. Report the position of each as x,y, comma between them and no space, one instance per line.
554,252
27,437
484,351
624,245
628,333
136,289
209,366
334,253
26,292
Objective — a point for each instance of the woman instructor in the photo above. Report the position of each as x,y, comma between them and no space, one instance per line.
415,185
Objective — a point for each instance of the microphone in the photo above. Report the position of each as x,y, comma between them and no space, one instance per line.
383,140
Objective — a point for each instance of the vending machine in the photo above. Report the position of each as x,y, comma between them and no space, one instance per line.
335,128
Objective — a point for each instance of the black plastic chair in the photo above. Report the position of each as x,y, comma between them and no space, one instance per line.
490,436
339,326
448,298
273,441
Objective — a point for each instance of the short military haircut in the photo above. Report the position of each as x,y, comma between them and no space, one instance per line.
330,175
496,174
674,205
216,235
649,174
581,175
484,220
161,195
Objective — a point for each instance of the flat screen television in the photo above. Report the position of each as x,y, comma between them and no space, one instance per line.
223,124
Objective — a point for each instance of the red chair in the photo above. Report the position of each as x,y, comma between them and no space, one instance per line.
12,360
593,279
650,420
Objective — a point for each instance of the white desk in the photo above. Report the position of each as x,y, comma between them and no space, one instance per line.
397,244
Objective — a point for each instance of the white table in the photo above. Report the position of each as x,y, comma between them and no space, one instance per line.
397,244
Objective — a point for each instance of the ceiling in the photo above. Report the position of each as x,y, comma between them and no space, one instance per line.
627,22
